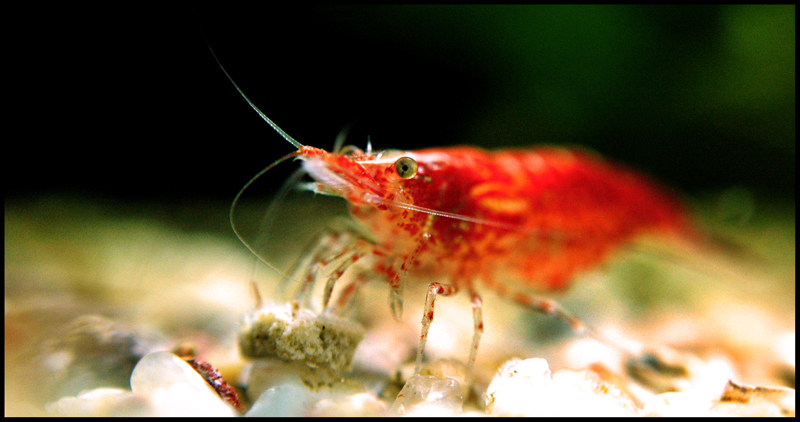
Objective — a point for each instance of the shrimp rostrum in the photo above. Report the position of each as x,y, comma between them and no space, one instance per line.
519,221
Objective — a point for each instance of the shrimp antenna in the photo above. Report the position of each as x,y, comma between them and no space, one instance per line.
277,128
269,121
341,137
239,195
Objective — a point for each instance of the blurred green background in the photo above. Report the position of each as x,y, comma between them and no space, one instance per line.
126,102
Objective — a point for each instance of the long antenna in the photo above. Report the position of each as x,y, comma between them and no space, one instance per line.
277,128
239,195
269,121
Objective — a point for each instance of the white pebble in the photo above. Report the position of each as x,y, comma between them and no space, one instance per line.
677,404
527,388
293,398
96,403
428,396
285,400
174,388
356,405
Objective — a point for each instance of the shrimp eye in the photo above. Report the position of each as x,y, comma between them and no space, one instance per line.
406,167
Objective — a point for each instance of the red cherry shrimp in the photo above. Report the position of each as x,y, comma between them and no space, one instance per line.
519,221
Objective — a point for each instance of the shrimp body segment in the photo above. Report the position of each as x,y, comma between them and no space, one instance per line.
517,220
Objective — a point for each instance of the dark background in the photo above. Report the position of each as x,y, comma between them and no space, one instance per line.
125,102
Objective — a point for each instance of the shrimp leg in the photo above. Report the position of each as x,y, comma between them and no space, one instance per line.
551,308
310,253
427,315
330,253
397,279
348,257
477,319
346,296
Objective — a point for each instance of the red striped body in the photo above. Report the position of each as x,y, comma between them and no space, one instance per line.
532,219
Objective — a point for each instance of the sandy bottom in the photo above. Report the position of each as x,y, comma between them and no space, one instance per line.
91,288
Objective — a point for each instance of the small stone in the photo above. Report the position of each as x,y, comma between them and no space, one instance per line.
447,368
663,370
97,403
428,396
286,400
268,373
301,335
735,400
516,375
356,405
213,378
292,398
527,388
677,404
174,388
740,400
748,410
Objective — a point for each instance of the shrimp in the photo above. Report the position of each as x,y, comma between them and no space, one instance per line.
519,221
